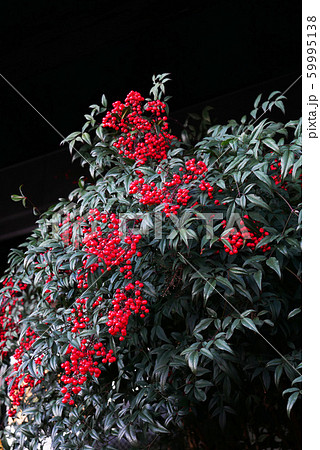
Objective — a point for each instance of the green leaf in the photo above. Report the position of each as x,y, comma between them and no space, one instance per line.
202,325
226,242
200,395
192,360
203,383
277,375
86,138
242,201
291,401
280,105
273,263
17,198
258,278
161,334
271,144
287,161
224,282
257,101
104,101
248,323
289,390
209,287
184,235
263,177
238,270
265,240
94,434
235,163
256,200
206,352
294,312
296,166
212,312
222,345
158,428
273,93
297,380
71,136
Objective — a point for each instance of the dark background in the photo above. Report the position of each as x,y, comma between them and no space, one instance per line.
62,56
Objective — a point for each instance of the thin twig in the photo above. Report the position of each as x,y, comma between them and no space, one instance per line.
292,209
289,270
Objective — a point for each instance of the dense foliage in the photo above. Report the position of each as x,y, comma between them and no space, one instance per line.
164,294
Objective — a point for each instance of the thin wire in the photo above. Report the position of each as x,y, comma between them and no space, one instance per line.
46,120
30,104
282,93
240,314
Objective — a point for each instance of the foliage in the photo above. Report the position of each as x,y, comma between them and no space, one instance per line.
216,288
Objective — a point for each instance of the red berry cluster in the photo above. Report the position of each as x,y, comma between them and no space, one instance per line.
79,316
82,365
205,186
276,166
109,247
67,231
156,107
103,239
8,326
243,238
172,194
142,137
82,361
23,381
277,177
124,304
197,168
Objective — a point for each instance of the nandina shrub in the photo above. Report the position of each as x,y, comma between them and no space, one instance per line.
159,303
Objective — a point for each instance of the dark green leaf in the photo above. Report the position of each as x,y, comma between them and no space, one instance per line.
273,263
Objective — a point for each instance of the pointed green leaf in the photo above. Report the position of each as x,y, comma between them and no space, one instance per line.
222,345
104,101
209,287
287,161
273,263
263,177
294,312
248,323
277,375
202,325
86,138
161,334
17,198
256,200
258,278
291,401
224,282
206,352
271,144
193,359
257,101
